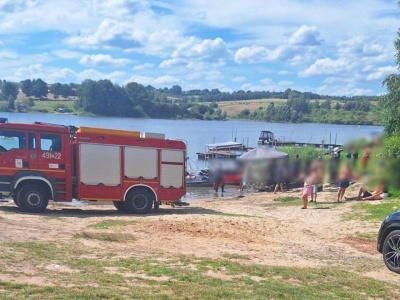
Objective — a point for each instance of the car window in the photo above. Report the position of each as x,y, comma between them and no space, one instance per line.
50,142
32,141
10,140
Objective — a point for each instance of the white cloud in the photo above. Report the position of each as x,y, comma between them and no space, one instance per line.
360,45
238,79
103,60
306,36
10,6
253,54
340,90
122,35
116,76
51,75
173,62
298,49
143,67
266,81
67,54
381,72
8,55
286,83
120,8
214,76
327,66
160,81
207,50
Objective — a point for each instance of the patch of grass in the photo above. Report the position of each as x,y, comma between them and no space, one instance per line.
107,224
286,199
373,211
236,256
105,277
107,236
368,236
37,250
50,105
238,215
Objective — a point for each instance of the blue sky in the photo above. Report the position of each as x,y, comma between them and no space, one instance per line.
334,47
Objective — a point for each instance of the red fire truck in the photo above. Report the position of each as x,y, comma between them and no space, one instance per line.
41,162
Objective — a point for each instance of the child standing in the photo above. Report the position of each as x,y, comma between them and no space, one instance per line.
307,191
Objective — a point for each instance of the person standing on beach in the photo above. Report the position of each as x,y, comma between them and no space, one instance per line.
317,170
279,174
307,190
344,178
219,180
365,159
354,154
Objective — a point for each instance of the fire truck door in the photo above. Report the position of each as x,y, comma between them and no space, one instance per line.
51,158
33,152
13,157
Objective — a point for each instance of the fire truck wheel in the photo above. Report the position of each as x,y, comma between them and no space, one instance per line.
32,198
139,201
15,200
120,205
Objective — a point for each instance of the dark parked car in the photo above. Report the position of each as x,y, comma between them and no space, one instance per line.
389,241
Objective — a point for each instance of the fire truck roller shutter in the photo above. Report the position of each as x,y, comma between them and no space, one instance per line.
172,168
140,163
100,164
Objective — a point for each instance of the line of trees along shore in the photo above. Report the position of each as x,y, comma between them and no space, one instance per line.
102,97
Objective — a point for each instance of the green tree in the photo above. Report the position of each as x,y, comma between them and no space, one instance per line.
87,95
39,88
104,98
11,102
26,87
55,89
326,104
176,90
9,89
390,103
66,90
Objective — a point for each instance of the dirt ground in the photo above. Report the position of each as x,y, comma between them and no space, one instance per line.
254,229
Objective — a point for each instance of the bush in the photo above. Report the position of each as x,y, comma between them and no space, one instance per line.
303,152
4,106
392,147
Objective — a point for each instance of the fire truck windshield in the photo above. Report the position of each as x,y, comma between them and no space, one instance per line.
10,140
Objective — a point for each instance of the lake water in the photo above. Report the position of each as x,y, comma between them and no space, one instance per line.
199,133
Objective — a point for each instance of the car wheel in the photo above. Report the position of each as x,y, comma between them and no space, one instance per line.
391,251
32,198
139,201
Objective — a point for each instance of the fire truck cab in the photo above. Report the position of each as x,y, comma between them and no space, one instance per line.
41,162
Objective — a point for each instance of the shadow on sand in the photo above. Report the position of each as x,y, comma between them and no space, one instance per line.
86,212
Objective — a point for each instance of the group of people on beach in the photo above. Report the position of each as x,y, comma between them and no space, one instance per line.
311,175
342,178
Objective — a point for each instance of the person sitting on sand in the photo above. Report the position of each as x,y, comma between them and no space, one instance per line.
381,192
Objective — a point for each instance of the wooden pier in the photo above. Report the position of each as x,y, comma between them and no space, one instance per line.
301,144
